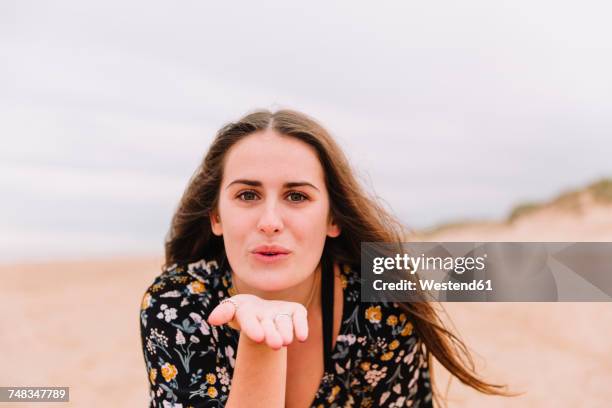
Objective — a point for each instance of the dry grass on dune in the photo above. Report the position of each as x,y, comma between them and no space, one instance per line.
556,354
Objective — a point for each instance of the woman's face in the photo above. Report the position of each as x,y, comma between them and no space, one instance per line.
273,211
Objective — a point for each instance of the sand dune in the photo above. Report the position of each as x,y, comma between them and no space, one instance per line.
76,324
557,354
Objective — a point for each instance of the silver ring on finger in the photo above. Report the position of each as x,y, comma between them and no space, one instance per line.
282,314
229,300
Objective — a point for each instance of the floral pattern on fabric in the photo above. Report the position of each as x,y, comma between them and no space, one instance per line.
378,359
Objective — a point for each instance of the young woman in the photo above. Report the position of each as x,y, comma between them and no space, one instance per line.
258,304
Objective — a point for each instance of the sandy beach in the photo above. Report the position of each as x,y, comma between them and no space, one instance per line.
75,324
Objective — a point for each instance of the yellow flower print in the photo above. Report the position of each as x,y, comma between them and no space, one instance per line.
168,371
407,331
232,291
157,287
402,317
365,366
335,390
393,345
387,356
153,375
210,378
392,320
212,392
344,281
146,301
179,279
373,314
346,268
196,287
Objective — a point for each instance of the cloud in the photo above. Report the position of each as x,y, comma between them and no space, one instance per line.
448,111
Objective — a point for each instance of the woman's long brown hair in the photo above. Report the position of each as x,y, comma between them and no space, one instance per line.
360,217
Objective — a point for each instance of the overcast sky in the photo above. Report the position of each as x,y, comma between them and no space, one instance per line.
448,110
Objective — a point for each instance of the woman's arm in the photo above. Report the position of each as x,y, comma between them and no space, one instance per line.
261,364
259,376
182,355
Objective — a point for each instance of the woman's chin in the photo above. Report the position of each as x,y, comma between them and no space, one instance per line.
271,280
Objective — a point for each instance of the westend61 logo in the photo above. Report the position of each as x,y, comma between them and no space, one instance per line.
486,271
415,264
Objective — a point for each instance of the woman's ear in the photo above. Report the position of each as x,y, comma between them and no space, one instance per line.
215,224
333,229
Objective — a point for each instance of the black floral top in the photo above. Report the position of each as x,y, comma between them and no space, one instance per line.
378,361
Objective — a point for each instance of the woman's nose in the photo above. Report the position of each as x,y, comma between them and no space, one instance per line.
270,221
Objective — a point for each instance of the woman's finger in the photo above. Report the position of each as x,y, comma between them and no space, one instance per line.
300,323
284,325
222,314
273,338
250,325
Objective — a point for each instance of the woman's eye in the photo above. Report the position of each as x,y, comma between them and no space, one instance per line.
247,196
296,197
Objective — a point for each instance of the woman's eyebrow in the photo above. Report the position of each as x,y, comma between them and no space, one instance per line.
255,183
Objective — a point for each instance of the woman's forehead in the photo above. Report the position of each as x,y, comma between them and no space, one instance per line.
271,158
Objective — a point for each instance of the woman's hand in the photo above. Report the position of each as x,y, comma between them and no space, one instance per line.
274,321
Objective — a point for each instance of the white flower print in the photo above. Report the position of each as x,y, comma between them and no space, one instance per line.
171,294
348,338
196,265
398,403
150,347
168,314
205,328
159,337
180,339
229,352
195,317
202,264
374,376
409,357
415,377
223,375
